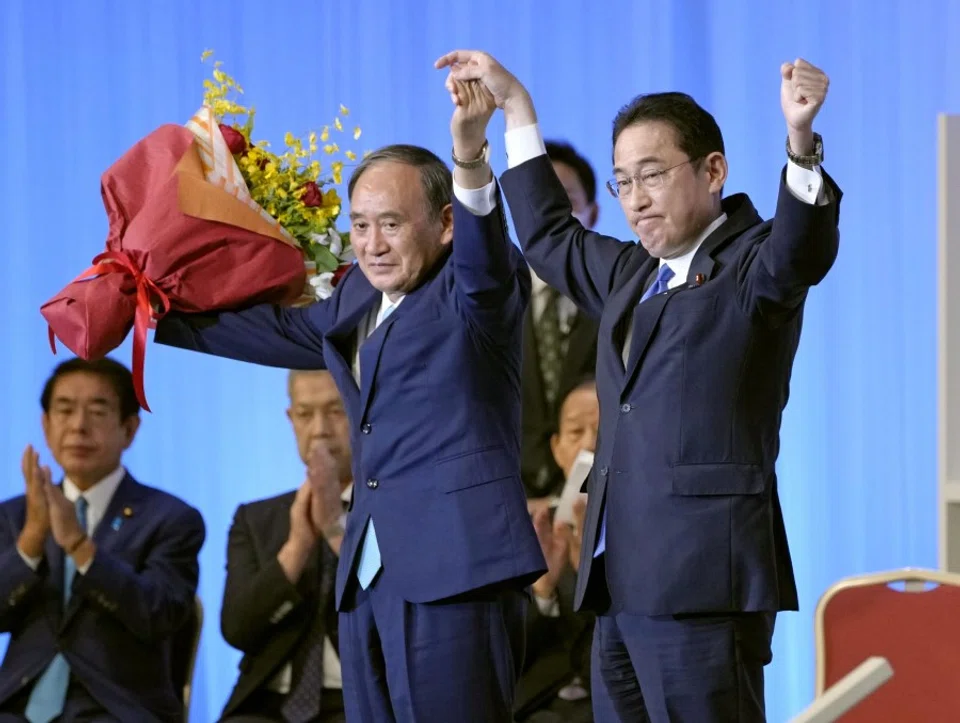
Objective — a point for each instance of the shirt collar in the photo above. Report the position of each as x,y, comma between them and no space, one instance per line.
347,491
100,494
681,264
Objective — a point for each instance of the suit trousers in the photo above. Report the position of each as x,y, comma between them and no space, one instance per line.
456,659
685,668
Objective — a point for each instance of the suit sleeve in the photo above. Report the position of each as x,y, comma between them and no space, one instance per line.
257,594
799,251
488,270
579,263
265,334
154,601
19,583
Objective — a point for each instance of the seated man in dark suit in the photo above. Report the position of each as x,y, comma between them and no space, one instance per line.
556,683
559,342
98,574
278,605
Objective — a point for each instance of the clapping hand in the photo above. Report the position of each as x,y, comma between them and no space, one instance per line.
36,526
555,547
326,507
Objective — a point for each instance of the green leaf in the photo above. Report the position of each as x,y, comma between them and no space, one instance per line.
322,257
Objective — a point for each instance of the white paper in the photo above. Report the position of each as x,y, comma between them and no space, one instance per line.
571,489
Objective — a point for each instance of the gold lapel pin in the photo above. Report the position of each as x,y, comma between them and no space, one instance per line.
128,512
698,279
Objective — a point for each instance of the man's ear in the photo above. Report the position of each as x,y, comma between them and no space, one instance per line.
716,166
130,426
446,218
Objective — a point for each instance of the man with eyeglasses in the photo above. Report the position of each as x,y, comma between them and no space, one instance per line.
684,553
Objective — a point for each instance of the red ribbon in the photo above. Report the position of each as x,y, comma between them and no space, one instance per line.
146,317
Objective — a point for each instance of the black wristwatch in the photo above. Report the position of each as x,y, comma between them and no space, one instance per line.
808,161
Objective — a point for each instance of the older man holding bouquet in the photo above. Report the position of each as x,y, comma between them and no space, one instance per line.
423,341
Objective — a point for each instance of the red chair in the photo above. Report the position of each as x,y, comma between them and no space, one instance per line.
916,627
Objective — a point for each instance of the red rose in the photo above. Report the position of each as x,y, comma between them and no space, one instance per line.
234,138
311,196
339,274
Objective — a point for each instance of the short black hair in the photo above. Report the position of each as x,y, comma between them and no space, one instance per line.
563,152
118,376
698,134
435,175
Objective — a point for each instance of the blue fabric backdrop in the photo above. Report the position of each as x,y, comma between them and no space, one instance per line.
80,82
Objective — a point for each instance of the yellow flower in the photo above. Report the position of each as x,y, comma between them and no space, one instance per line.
331,148
288,138
337,124
325,134
356,133
344,110
205,54
270,170
351,156
337,168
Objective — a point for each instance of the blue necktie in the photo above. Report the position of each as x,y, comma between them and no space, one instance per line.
369,564
658,287
50,690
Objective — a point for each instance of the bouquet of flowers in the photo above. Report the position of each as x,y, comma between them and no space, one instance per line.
203,218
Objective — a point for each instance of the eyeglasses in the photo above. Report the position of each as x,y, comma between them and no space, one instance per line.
651,180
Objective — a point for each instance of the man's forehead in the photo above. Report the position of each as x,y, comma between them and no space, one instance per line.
645,143
83,387
580,402
314,388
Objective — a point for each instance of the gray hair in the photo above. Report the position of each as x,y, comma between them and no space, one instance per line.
435,176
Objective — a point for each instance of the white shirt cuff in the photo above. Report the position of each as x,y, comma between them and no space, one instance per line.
523,144
32,562
549,607
478,201
806,183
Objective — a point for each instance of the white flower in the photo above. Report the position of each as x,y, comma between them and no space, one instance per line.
322,285
336,243
329,238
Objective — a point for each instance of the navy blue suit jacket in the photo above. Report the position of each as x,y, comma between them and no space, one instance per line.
690,430
435,423
117,630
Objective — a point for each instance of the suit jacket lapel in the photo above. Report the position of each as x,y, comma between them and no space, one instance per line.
357,300
646,316
741,216
412,311
622,308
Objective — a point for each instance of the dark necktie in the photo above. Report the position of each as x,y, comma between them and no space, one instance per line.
303,702
549,345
